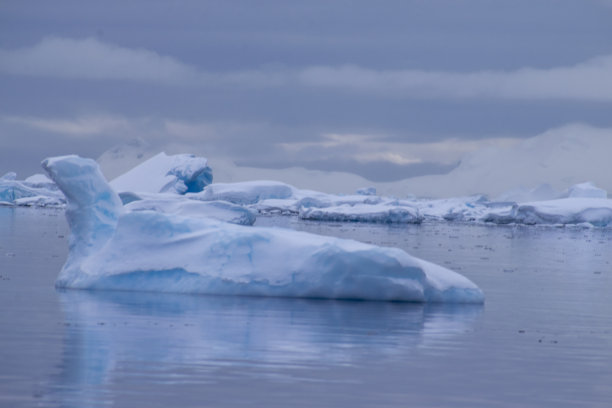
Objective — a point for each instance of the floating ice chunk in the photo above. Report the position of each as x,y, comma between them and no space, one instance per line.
451,209
29,192
378,213
247,192
594,211
143,250
586,190
219,210
11,190
179,174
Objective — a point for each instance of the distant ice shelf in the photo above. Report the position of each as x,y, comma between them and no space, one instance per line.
114,248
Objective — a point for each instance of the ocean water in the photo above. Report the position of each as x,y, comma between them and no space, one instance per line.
542,339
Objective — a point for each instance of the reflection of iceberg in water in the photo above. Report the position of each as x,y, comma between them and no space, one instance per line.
164,336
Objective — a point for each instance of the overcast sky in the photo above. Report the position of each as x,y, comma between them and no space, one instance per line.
387,90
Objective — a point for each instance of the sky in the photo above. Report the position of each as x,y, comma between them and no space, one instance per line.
386,90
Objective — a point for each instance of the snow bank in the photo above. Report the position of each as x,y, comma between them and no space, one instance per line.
179,174
143,250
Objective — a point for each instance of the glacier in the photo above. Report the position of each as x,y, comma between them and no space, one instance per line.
113,248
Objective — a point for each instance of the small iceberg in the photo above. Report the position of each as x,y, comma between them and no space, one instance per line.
375,213
583,203
177,174
35,191
565,211
116,249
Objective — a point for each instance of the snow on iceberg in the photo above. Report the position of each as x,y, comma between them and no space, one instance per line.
142,250
219,210
179,174
377,213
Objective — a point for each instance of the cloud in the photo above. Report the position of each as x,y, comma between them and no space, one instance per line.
79,127
90,58
590,80
376,148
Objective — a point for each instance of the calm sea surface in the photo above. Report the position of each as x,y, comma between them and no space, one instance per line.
543,338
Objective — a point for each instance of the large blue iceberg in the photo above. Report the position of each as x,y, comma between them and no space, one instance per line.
112,248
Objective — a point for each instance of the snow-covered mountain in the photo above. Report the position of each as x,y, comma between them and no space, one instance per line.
119,159
558,158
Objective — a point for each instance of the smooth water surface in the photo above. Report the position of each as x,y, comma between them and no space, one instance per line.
543,338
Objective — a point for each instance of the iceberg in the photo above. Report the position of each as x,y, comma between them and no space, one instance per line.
377,213
177,174
36,190
114,249
451,209
565,211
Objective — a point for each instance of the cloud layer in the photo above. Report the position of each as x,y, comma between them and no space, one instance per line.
90,58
